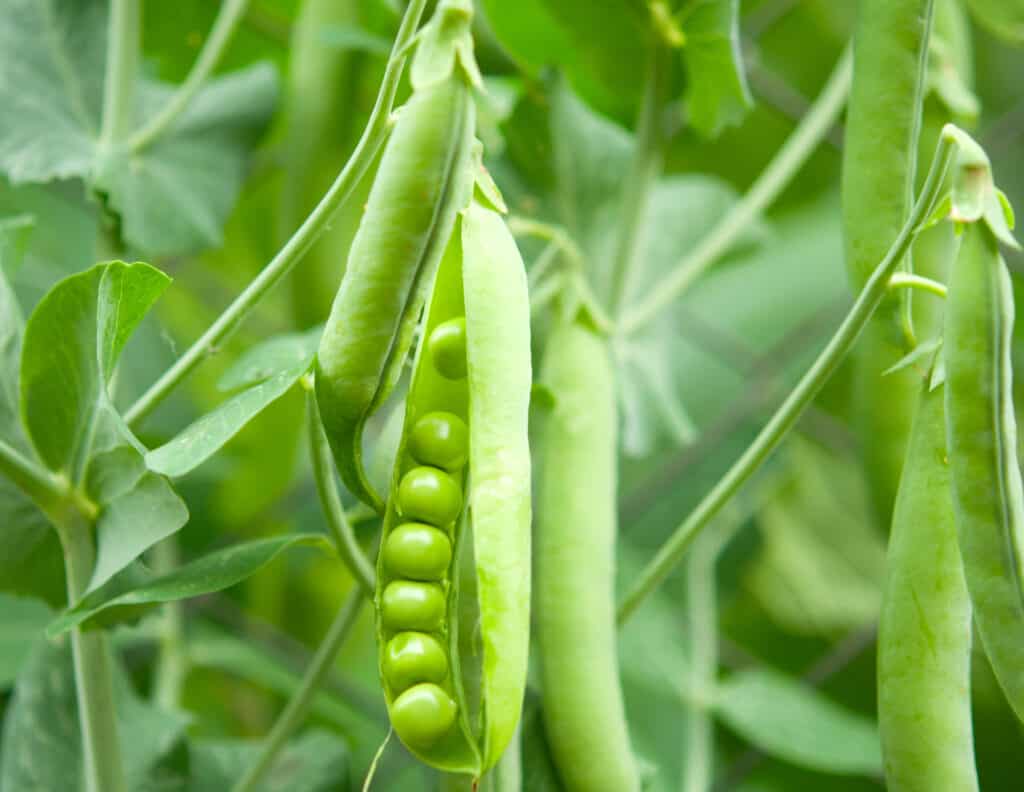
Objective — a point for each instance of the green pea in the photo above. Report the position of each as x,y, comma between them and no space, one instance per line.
409,605
431,495
422,715
418,552
440,439
414,657
447,346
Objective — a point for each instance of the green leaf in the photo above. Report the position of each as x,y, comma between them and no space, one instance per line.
717,94
22,624
42,739
205,437
314,762
793,722
1003,18
273,356
31,560
222,569
922,353
13,234
174,195
72,342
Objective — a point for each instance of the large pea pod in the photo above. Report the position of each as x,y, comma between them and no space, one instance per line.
924,640
454,572
982,434
882,127
582,700
422,182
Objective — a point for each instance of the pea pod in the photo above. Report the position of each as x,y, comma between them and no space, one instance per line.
982,434
454,576
575,605
924,640
879,154
423,180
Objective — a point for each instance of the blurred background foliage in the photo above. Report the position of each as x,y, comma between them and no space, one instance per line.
799,580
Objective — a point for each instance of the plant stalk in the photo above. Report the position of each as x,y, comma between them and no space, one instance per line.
172,664
298,706
811,130
801,396
376,131
123,28
230,14
44,488
93,663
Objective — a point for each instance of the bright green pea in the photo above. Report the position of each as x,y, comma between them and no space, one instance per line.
414,657
410,605
418,552
447,345
440,439
422,715
431,495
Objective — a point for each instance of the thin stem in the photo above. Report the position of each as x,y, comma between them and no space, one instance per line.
644,171
230,14
122,63
97,716
702,621
297,708
172,664
806,389
44,488
334,512
811,130
373,136
907,280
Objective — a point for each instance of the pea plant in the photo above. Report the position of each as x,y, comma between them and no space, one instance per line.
549,395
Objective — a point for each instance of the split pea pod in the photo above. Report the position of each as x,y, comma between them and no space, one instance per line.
454,572
422,182
879,156
924,640
582,701
982,434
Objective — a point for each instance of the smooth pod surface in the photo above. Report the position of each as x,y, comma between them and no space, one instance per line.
582,700
409,218
982,435
924,640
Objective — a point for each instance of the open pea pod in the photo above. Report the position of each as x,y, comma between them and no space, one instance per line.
453,582
988,496
423,180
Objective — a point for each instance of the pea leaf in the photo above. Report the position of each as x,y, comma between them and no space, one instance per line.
717,94
42,739
72,344
23,623
271,357
13,234
174,195
797,724
137,586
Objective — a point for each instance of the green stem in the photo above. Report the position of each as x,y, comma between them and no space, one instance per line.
907,280
172,665
811,130
97,716
230,14
334,512
806,389
373,136
644,171
122,64
44,488
297,708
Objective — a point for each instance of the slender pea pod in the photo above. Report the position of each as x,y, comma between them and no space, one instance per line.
882,126
924,640
423,180
982,433
454,572
582,701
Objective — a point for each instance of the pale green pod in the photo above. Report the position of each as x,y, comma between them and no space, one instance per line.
924,637
982,433
422,182
583,709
